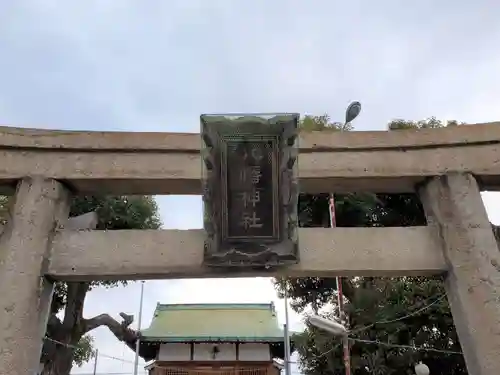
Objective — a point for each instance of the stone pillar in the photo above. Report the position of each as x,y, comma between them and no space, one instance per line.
454,206
25,294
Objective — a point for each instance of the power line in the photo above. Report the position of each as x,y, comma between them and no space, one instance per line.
386,344
400,318
416,348
115,358
75,347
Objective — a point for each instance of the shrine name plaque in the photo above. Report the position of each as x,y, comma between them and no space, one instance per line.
250,190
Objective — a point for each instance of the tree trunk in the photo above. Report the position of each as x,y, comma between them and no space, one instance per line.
58,355
59,358
68,333
62,363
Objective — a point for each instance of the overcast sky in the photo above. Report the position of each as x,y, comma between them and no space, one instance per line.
157,65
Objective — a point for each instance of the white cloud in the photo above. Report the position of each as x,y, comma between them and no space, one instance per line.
156,66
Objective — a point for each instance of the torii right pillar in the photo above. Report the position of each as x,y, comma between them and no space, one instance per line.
454,206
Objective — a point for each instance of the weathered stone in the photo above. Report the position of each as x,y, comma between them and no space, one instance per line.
39,207
169,163
250,190
170,254
454,207
86,221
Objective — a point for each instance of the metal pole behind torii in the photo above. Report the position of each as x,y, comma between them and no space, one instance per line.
288,369
95,361
139,322
351,113
340,295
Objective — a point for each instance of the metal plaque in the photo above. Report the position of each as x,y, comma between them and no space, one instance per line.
250,189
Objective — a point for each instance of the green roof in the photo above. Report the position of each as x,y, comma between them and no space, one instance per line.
214,322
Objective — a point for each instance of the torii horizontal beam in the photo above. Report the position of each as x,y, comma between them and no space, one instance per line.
169,254
169,163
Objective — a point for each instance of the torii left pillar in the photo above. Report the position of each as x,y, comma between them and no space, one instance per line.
39,206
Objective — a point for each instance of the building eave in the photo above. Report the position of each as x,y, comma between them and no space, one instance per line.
212,339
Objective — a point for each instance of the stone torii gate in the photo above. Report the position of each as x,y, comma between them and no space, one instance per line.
448,168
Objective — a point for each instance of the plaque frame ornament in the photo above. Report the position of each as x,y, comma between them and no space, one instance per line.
220,251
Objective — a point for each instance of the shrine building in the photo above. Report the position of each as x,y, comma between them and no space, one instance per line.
204,339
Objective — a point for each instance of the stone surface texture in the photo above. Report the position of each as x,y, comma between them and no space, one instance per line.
170,163
25,295
250,191
454,207
168,254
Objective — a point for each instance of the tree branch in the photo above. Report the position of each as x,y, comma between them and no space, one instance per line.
120,330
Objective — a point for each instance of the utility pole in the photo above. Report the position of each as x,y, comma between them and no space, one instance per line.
287,337
351,113
95,361
139,321
340,295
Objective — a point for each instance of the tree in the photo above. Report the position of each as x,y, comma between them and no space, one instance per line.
114,212
369,300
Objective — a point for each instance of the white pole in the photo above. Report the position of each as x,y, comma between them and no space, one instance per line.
287,337
95,361
340,294
137,343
